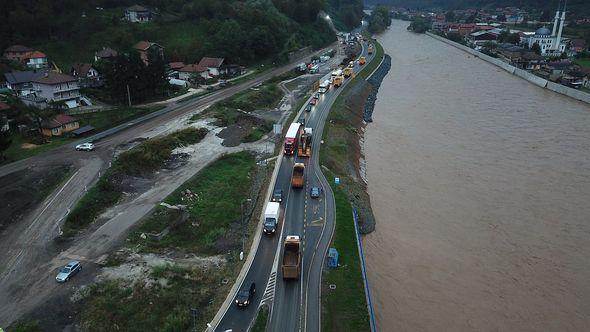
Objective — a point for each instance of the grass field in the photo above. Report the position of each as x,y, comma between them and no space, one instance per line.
218,190
584,62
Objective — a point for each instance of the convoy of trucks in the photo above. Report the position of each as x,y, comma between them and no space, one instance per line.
347,71
291,138
298,175
271,217
324,86
304,149
291,257
338,80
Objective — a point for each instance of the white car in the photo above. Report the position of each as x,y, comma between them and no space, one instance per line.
85,147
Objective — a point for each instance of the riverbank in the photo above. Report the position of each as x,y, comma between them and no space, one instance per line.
479,183
539,81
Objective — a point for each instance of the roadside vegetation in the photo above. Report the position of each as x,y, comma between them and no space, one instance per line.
23,147
140,161
25,326
345,308
261,320
212,206
202,240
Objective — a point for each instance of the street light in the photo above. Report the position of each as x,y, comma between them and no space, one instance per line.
245,225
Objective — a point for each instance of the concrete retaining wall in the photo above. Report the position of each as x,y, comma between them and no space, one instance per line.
539,81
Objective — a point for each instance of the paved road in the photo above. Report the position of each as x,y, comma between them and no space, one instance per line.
29,243
295,303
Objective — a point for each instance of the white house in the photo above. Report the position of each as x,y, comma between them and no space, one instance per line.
58,87
191,72
213,65
138,14
551,44
36,60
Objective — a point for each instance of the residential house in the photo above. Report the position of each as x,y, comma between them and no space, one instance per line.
578,45
483,36
138,14
21,82
192,72
461,28
531,61
16,52
105,54
86,74
59,125
55,87
145,48
36,60
213,66
176,66
440,26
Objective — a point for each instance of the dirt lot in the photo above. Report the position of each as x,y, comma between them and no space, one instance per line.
31,186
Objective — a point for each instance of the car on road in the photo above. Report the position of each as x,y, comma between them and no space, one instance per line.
68,271
315,192
308,108
85,147
313,101
277,195
245,295
316,95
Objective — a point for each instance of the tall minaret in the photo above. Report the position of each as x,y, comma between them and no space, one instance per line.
558,40
555,22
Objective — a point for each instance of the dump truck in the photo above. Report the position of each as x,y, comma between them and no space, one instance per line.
338,80
271,217
298,174
347,72
362,60
291,257
304,146
291,138
370,49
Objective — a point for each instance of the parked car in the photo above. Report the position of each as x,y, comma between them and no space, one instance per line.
315,192
68,271
277,196
245,295
308,108
85,147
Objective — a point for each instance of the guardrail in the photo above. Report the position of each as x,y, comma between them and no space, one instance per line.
364,271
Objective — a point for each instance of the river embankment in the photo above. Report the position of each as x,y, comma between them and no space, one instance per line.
479,183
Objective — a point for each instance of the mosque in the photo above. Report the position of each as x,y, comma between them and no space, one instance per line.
551,44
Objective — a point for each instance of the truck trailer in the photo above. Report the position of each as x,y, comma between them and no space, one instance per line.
298,175
291,138
304,146
271,217
324,86
291,257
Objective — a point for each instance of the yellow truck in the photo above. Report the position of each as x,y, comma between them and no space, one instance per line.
347,71
370,49
298,175
362,61
291,257
338,80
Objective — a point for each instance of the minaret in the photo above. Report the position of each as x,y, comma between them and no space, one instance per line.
558,40
555,22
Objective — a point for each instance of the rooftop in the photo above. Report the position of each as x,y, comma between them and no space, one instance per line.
211,62
58,121
53,77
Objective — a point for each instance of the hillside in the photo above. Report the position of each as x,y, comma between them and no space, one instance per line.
346,14
241,31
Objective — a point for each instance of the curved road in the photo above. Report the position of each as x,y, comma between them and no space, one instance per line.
295,304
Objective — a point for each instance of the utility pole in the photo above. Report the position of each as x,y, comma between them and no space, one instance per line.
128,95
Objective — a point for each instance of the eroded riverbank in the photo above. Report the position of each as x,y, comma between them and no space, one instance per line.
479,182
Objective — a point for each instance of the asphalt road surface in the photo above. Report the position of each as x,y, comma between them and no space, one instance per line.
29,244
295,304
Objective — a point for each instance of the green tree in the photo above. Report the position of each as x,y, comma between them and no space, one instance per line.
450,16
536,48
501,18
545,16
380,19
5,141
419,25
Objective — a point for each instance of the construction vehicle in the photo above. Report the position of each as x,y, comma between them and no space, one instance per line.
338,80
291,138
271,217
347,71
362,61
298,175
291,257
370,49
304,149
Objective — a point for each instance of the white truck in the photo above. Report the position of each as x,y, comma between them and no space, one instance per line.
271,217
324,86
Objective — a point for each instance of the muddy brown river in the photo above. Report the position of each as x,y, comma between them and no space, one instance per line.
480,184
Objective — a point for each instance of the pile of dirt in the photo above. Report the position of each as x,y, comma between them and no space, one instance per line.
235,134
21,191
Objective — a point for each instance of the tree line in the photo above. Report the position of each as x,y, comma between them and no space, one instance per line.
379,20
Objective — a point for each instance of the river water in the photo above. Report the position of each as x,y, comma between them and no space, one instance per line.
480,184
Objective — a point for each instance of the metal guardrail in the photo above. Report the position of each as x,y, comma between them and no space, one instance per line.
364,272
